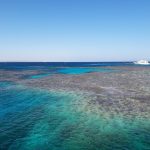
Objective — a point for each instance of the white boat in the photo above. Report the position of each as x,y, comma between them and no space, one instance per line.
142,62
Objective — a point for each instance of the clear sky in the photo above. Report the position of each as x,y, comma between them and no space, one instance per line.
74,30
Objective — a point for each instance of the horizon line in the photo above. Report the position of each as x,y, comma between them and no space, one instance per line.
62,61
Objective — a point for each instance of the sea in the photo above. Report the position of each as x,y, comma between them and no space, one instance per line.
33,118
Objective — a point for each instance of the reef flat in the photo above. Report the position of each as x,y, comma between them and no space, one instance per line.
94,110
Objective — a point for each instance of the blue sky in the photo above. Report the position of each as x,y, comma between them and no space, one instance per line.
74,30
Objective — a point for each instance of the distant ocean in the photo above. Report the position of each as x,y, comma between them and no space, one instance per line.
38,119
28,65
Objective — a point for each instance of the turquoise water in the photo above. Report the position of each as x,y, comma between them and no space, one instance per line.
35,119
4,84
70,71
38,76
82,70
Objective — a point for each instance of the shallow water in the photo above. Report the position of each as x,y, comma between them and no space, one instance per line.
32,119
82,70
68,70
4,84
38,76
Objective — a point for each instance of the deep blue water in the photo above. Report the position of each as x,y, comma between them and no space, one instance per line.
50,68
47,69
46,65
